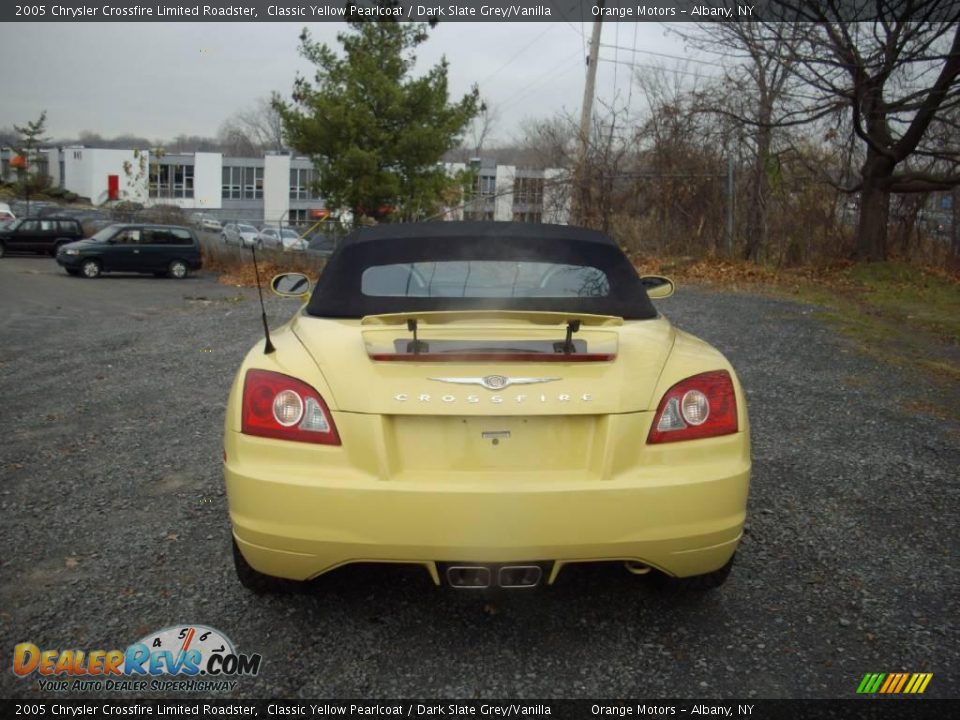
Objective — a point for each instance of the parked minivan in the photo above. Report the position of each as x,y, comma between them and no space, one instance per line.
159,249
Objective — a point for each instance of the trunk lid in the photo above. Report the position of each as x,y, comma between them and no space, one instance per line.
505,364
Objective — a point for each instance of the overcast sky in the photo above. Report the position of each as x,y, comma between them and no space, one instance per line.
160,80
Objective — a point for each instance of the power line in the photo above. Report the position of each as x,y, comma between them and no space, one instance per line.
517,54
659,67
553,70
659,54
563,16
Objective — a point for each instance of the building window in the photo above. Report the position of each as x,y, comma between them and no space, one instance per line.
301,184
528,217
242,183
528,191
252,183
478,214
171,181
231,183
481,198
484,186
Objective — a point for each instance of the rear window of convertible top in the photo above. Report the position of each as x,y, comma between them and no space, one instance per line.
484,279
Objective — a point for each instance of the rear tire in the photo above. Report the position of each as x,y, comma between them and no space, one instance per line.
2,249
697,583
178,270
254,580
90,269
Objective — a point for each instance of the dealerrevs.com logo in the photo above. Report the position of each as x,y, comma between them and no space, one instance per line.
181,658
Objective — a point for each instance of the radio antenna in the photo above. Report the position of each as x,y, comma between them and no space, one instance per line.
268,346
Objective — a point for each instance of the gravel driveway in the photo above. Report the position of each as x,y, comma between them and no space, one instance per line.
115,524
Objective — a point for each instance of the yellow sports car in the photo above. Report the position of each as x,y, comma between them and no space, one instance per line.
491,401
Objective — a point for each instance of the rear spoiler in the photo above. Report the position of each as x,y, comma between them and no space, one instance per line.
464,336
443,317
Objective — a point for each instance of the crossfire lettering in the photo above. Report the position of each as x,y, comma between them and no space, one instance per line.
495,399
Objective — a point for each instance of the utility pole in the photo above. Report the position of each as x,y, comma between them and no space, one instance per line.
586,114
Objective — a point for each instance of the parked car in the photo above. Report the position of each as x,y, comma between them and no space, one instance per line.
159,249
241,234
205,222
489,401
285,239
6,214
43,235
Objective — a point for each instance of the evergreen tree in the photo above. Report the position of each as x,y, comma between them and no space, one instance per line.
375,134
29,138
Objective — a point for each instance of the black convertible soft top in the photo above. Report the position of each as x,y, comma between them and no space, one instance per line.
338,292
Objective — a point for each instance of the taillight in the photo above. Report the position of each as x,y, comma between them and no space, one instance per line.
701,406
282,407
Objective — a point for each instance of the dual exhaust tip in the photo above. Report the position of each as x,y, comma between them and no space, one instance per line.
480,577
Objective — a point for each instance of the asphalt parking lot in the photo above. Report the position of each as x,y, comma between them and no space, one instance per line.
114,519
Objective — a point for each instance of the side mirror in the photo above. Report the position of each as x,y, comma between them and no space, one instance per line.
291,285
658,286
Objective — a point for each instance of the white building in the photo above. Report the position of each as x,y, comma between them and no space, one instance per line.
276,188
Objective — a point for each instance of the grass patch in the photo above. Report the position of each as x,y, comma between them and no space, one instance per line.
903,314
917,296
235,265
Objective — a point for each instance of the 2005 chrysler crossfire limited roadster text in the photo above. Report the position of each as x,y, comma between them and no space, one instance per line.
491,401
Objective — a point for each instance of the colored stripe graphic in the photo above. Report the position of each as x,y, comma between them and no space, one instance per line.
918,683
894,683
871,683
903,680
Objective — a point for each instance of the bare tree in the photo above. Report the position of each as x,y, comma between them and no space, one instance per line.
892,66
756,93
481,127
548,143
609,156
253,131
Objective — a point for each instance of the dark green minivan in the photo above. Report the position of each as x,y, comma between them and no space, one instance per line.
159,249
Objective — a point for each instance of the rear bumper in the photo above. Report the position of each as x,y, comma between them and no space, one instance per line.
298,522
